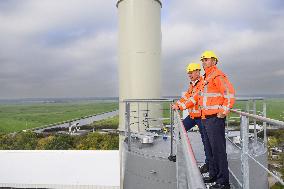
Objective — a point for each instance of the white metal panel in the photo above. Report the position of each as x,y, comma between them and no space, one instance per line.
12,185
59,168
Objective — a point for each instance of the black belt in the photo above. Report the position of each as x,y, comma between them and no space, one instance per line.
210,116
197,117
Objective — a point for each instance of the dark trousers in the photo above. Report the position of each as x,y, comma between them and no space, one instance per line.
216,144
189,123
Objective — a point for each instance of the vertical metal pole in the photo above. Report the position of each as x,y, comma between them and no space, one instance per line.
254,122
148,111
127,122
244,156
248,111
264,124
248,106
227,124
171,116
138,116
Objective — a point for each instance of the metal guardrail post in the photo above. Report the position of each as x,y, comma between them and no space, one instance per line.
254,122
264,124
245,150
172,122
245,153
127,124
247,106
248,111
148,112
138,116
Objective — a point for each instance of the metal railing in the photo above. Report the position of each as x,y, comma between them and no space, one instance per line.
251,101
244,132
178,133
146,117
193,176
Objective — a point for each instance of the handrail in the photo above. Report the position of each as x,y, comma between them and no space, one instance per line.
245,140
193,173
149,100
194,178
260,118
249,98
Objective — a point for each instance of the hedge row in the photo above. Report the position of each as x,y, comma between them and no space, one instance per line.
33,141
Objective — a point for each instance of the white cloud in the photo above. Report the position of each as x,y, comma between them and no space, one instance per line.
247,36
53,48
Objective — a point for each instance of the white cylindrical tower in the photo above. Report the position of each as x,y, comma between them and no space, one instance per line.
139,51
139,58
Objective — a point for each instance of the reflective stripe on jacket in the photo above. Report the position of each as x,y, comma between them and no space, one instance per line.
217,94
187,101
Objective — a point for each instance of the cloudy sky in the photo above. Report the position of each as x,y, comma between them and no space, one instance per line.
68,48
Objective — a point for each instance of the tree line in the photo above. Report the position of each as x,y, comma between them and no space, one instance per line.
33,141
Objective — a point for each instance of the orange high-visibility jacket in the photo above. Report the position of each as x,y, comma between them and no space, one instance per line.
217,94
187,101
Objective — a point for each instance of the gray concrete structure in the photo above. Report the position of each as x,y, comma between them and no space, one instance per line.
147,166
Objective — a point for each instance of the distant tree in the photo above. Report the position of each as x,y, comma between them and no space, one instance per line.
60,142
282,162
90,142
113,142
25,141
272,142
277,185
43,143
278,134
6,142
97,141
32,141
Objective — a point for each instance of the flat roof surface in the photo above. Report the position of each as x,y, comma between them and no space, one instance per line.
60,167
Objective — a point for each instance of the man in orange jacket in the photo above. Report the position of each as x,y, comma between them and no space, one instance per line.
215,100
187,102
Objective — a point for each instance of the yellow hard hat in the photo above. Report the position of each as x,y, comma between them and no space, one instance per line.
165,130
192,67
208,54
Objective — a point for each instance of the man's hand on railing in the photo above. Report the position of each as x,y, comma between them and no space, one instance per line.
175,107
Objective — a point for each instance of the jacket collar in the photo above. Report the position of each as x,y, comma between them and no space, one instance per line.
210,70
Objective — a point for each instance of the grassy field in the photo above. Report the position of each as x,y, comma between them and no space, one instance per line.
110,123
274,107
16,117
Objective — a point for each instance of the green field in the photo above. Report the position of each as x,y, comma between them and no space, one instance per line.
274,107
17,117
